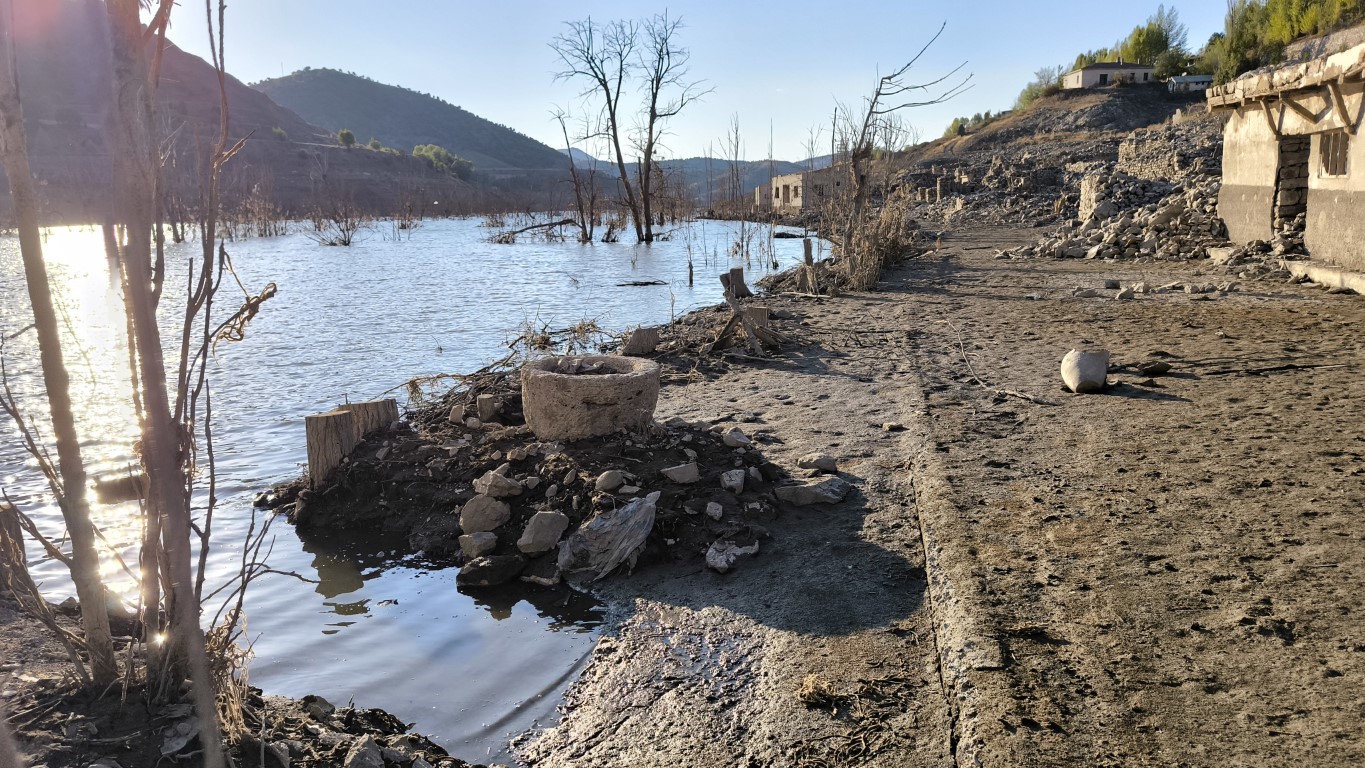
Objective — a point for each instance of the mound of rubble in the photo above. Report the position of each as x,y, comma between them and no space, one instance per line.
1124,217
469,483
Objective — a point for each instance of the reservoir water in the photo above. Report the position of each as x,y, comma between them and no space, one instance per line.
382,629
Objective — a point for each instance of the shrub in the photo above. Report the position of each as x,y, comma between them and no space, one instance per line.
279,133
346,137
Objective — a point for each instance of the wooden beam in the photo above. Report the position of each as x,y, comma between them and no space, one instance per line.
1270,118
1339,104
1300,110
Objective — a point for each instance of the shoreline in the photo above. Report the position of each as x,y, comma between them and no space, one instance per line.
1085,578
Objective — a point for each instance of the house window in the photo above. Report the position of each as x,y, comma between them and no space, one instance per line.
796,191
1104,79
774,193
1146,76
1333,148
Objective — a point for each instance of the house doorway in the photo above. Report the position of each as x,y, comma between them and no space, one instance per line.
1291,185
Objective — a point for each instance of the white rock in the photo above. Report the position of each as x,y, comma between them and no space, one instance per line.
736,438
1084,371
714,510
683,473
821,461
733,480
610,480
721,556
497,485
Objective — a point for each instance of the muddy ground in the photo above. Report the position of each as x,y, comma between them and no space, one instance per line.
1163,574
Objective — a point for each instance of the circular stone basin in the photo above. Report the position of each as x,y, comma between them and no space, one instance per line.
573,397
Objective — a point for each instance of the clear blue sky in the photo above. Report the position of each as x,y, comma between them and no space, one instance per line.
780,65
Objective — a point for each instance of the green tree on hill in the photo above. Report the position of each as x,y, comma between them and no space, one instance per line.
375,144
346,137
443,159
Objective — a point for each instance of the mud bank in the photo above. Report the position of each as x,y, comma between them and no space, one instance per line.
1157,575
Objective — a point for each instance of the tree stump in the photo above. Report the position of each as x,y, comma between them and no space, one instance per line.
331,438
641,341
370,417
758,316
735,285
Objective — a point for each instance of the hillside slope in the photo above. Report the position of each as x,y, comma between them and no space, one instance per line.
404,119
63,61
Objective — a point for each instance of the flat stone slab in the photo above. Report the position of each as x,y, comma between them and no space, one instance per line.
830,490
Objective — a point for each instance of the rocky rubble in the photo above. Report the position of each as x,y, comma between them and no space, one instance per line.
1123,217
487,494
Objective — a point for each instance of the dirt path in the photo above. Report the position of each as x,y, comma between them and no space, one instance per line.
1161,575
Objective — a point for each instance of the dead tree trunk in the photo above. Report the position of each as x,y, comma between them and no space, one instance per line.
331,436
72,493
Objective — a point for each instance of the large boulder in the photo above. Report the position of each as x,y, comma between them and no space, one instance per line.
570,398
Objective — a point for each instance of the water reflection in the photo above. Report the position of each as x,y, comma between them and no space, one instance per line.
392,624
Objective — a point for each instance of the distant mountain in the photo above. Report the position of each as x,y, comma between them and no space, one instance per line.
581,158
403,119
63,66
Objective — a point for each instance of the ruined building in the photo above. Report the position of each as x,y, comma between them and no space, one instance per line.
1292,159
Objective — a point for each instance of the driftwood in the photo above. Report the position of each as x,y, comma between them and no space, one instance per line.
637,283
806,281
331,438
509,237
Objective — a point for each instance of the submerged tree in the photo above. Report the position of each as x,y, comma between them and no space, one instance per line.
614,58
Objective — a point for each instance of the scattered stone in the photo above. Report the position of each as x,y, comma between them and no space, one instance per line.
609,481
1085,293
1111,285
830,490
821,461
736,438
531,483
733,481
685,474
1085,371
722,556
473,423
490,571
893,426
542,532
476,545
497,485
628,490
317,707
364,753
1125,294
1154,368
483,513
714,510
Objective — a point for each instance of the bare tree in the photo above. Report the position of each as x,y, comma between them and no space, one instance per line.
69,485
891,94
664,67
612,58
603,55
584,183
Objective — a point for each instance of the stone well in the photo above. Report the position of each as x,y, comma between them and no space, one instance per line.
569,398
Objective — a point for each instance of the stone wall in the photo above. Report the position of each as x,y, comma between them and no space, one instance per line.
1170,153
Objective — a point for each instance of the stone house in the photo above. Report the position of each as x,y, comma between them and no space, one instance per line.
1108,73
1292,158
807,190
1189,83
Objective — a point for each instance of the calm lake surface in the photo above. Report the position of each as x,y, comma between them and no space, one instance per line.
353,323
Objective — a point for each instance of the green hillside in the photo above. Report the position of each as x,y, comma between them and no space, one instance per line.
404,119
